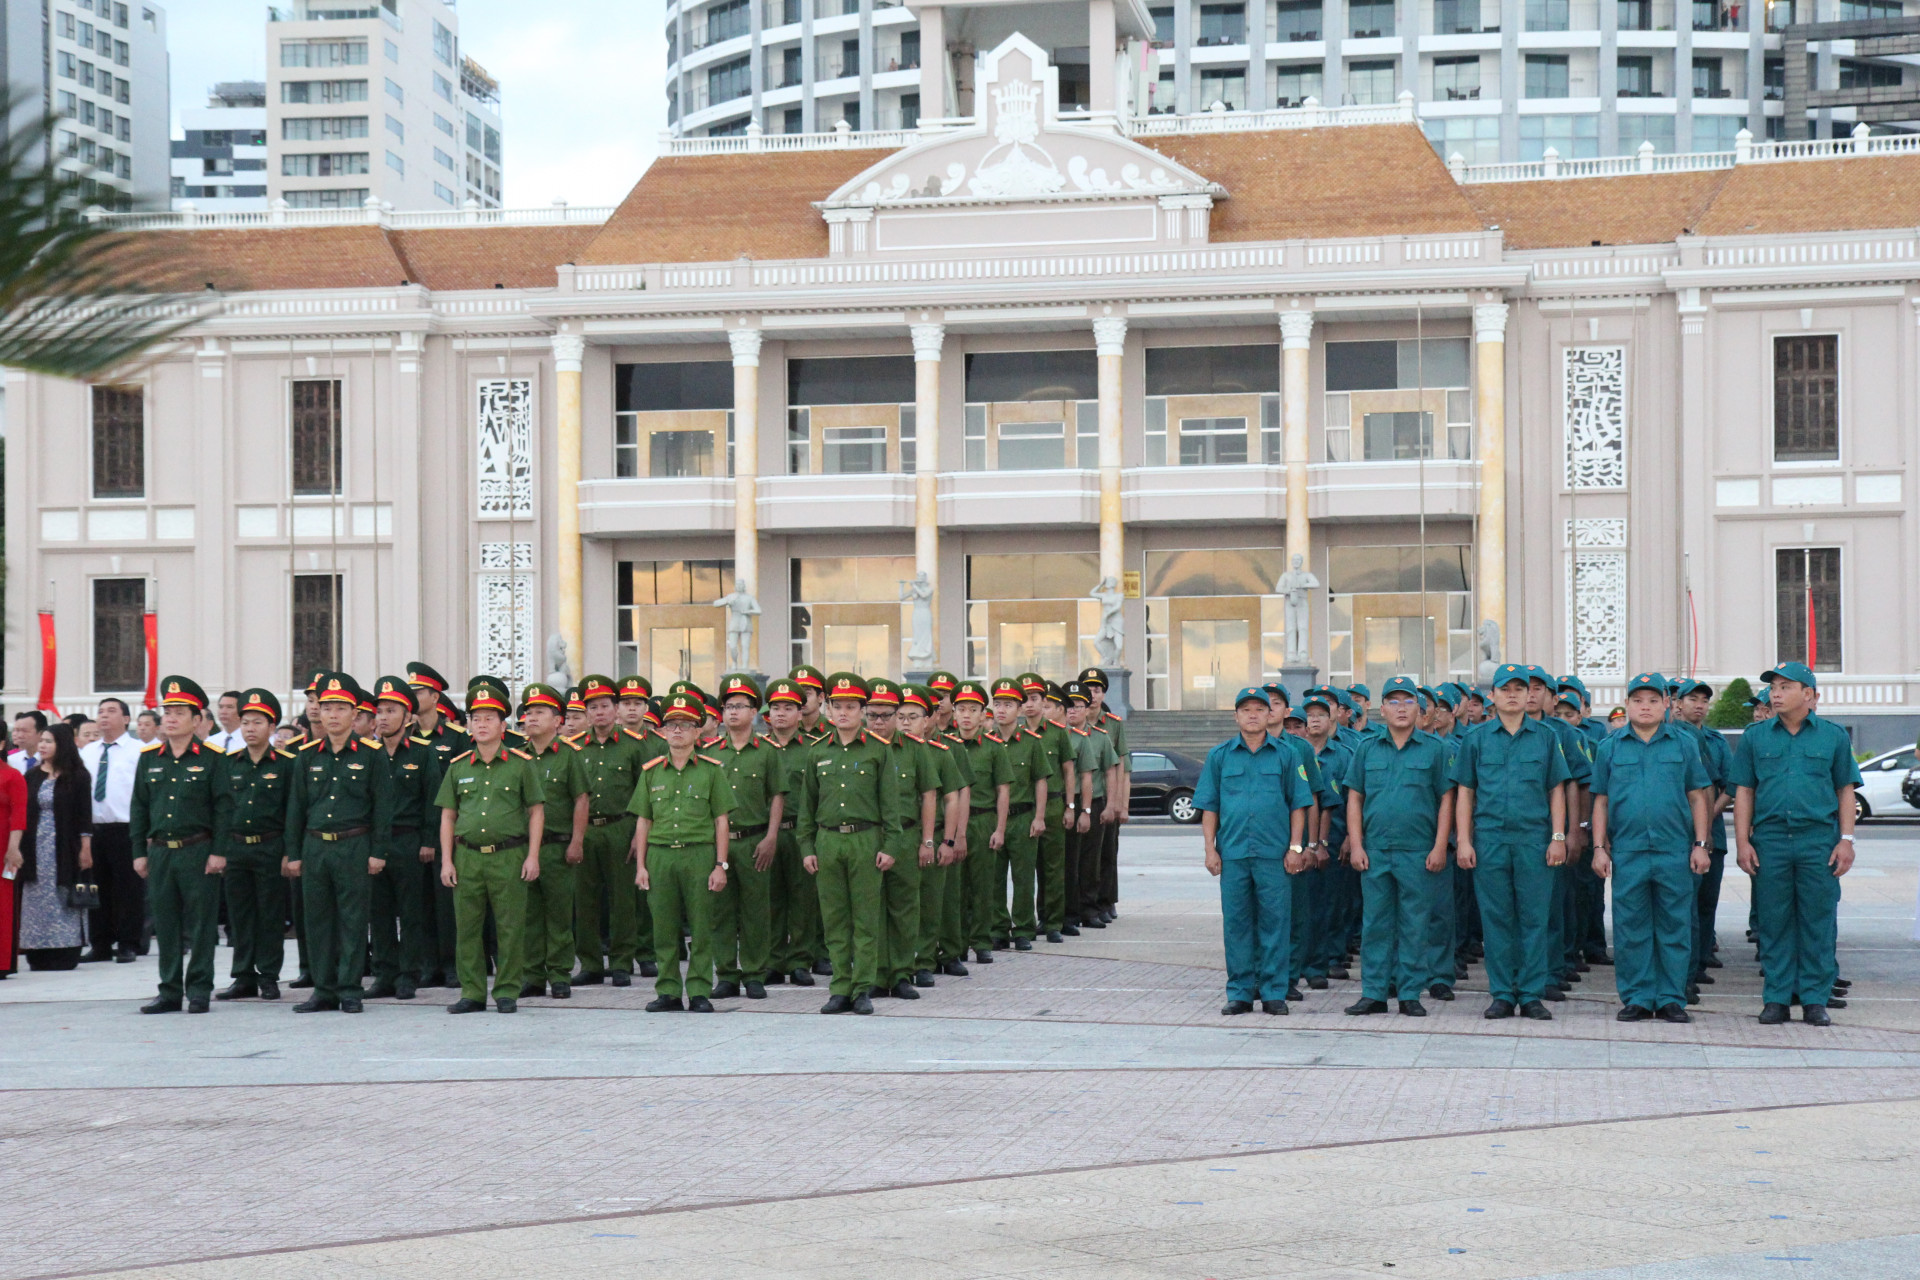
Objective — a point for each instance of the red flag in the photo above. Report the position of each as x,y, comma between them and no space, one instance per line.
49,660
151,622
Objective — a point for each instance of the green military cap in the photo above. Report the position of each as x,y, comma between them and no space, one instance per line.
1447,695
1648,680
943,682
634,687
260,702
420,674
1763,698
1510,673
808,678
916,695
784,690
970,691
337,686
574,702
1094,677
1006,687
594,686
844,684
450,709
1076,692
683,706
1400,684
393,689
687,686
1537,672
739,685
542,695
1032,682
1361,691
180,691
314,679
1250,694
883,693
487,694
1689,687
1055,694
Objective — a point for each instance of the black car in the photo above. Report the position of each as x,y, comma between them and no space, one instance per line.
1163,783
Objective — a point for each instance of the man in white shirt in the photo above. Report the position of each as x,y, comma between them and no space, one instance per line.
118,924
27,728
227,712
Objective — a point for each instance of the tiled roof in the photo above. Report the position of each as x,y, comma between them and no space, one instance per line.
240,261
1565,213
482,257
1866,193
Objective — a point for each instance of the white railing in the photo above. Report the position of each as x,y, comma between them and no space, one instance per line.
1311,115
841,137
372,215
1645,160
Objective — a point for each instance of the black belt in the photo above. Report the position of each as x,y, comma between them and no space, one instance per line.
185,843
1019,808
848,828
679,844
405,831
345,833
992,808
519,843
741,833
260,839
788,824
606,819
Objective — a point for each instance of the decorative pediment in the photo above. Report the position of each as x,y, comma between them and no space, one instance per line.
1002,180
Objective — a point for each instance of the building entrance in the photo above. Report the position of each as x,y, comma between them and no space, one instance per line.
1214,662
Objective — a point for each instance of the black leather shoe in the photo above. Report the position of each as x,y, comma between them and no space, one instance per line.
1413,1009
836,1004
1023,944
1703,980
350,1005
1067,930
1674,1013
1815,1015
97,956
755,991
1711,962
1568,979
699,1004
1602,958
982,955
1053,935
823,968
1233,1008
665,1004
1842,984
124,956
1693,994
954,969
589,978
533,989
1278,1008
1555,994
1001,944
315,1004
726,991
269,989
197,1006
862,1005
1338,971
923,978
1581,966
1093,922
801,978
382,991
648,969
1499,1009
1364,1006
626,979
1537,1011
904,990
1633,1013
560,991
238,991
403,989
778,978
1318,984
1293,993
464,1005
160,1004
1440,991
301,982
1772,1015
1836,1002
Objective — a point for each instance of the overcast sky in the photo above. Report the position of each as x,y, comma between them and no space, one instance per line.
582,87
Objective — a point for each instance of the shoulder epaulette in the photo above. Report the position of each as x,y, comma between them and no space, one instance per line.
464,755
371,742
155,745
283,753
574,743
711,760
425,742
637,737
1082,732
657,760
219,751
935,742
573,739
515,751
311,743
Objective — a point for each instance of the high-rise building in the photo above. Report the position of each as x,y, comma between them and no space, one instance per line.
376,100
100,65
220,161
1491,80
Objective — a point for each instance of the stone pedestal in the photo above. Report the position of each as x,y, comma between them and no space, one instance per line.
1119,699
1297,681
916,677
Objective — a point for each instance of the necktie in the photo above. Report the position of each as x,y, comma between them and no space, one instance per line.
100,776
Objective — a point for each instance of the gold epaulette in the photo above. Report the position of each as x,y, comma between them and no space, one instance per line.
464,755
155,745
371,742
283,753
651,763
425,742
711,760
515,751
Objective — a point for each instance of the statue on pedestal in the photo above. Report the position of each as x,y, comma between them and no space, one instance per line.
559,665
1112,636
1294,585
920,646
741,609
1489,651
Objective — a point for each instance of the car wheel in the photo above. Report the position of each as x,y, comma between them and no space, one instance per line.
1180,807
1860,809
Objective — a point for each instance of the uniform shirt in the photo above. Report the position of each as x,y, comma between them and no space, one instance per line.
227,741
612,769
257,791
340,790
756,773
1027,762
793,765
445,742
682,802
414,772
1331,763
1093,755
1646,785
490,798
845,783
122,755
1116,729
1324,792
1511,774
1254,792
914,773
1718,757
987,765
175,796
1057,752
1401,790
1794,777
948,765
563,779
1574,747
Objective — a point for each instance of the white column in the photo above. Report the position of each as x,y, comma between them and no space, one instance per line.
1490,414
1296,388
569,353
746,458
928,341
1110,344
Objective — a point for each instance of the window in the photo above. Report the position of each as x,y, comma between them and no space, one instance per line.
442,45
327,165
119,634
1806,398
1295,82
1806,584
1294,21
338,198
854,450
322,91
395,92
1456,17
442,87
392,51
444,125
727,20
670,399
1636,129
444,194
323,53
909,111
1370,82
1860,10
68,64
1635,78
491,150
63,26
1222,24
1868,75
1367,384
1546,75
1574,137
1634,15
1706,79
1456,78
1547,15
474,129
1226,87
444,160
316,624
1369,18
322,128
1717,133
730,79
316,437
119,442
395,163
397,129
1019,405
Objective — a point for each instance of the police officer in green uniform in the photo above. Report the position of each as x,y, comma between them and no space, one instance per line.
1045,701
968,921
1651,793
340,824
1100,882
681,808
1511,811
1094,761
1398,821
398,901
813,686
793,903
177,827
915,719
845,811
743,909
1031,764
257,778
445,740
603,894
564,803
1794,778
636,700
914,781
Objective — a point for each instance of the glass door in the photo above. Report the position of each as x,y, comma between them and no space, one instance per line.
1213,663
860,647
683,653
1033,646
1394,646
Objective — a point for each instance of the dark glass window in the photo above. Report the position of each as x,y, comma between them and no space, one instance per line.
1388,366
119,634
119,442
730,79
1296,20
316,624
1032,375
1807,588
650,388
1806,398
1205,371
316,437
859,380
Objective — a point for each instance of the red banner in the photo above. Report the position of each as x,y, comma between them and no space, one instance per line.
49,659
151,621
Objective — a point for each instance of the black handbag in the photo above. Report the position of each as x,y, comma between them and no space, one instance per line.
83,896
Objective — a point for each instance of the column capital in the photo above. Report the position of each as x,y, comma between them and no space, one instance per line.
569,350
1110,335
928,340
746,347
1296,330
1490,322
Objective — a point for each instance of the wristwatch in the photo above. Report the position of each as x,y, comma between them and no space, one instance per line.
949,844
1296,848
927,844
1702,844
1560,837
721,865
1848,837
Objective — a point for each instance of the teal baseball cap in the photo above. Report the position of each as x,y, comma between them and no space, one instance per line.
1798,672
1447,695
1540,673
1361,691
1512,672
1322,700
1765,695
1691,686
1399,684
1274,689
1250,694
1648,680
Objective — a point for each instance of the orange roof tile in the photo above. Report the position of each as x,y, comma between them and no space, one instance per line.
1853,194
244,260
1565,213
485,257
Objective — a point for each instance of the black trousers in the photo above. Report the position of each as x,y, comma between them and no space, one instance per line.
122,914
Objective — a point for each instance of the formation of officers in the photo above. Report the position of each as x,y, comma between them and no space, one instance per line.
868,832
1445,830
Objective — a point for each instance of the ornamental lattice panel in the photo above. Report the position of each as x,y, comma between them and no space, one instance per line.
1594,380
504,425
508,646
1597,598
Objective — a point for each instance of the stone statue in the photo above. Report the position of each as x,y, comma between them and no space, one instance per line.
559,667
920,591
741,609
1294,585
1489,651
1112,636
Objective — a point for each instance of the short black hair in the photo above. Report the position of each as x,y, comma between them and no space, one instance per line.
39,719
231,693
76,718
124,709
149,714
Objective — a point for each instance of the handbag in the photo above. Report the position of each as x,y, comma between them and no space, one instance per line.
83,896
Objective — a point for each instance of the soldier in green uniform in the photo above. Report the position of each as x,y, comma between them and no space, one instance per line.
307,724
914,780
257,778
1045,714
1031,765
636,699
339,829
793,903
940,688
446,740
681,808
844,812
398,902
564,805
492,817
989,802
914,719
1094,765
1100,881
612,757
743,910
177,827
576,721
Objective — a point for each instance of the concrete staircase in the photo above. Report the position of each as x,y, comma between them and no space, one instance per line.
1192,733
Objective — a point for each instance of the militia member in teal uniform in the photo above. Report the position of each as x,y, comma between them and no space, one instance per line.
612,756
1031,764
1398,821
340,820
1794,777
177,827
1252,787
914,779
492,816
990,803
1511,811
564,804
845,812
681,808
399,902
1651,793
258,778
446,740
915,720
743,911
793,903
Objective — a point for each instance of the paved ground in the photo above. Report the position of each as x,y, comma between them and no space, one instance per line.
1082,1110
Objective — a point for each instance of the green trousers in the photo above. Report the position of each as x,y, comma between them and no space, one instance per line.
256,910
1051,869
337,890
185,902
604,885
1515,887
900,893
793,909
851,912
1653,902
982,864
934,881
1016,859
490,880
397,911
743,915
549,915
680,901
1398,893
1797,899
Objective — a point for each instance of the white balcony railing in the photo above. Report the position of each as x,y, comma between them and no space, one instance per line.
1646,160
379,215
